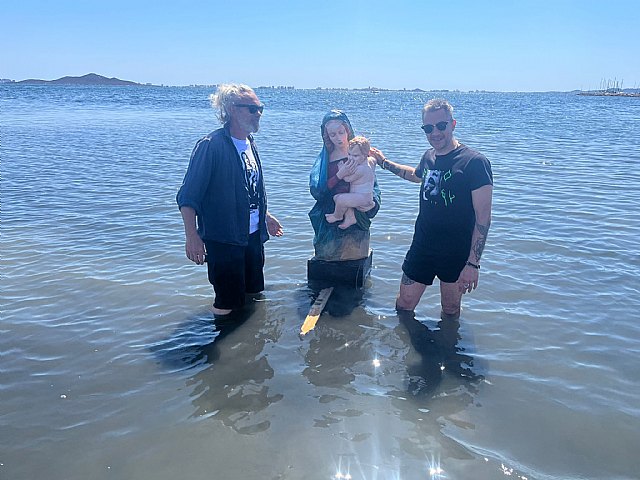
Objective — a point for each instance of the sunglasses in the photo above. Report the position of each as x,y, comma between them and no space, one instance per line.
428,128
253,109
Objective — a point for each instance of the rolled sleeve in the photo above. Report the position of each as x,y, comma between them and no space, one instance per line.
196,180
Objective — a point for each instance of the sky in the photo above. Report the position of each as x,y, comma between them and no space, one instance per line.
519,45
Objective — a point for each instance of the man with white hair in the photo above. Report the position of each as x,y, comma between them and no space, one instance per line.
223,201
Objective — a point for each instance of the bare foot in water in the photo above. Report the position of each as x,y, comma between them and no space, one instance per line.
331,218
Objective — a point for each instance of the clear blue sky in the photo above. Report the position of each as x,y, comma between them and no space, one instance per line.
464,44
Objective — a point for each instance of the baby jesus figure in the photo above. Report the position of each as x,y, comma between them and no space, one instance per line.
359,172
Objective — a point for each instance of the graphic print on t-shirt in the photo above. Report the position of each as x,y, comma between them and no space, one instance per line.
435,188
432,185
251,172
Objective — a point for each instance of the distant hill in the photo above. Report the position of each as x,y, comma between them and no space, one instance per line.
88,79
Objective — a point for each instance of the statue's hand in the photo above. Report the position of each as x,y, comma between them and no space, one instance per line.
366,208
348,168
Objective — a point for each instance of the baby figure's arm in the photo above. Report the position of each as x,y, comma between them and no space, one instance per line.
363,174
357,175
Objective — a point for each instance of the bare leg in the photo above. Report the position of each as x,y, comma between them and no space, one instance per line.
338,212
220,311
410,294
349,219
451,300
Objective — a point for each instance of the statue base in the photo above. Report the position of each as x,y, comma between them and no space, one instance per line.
347,273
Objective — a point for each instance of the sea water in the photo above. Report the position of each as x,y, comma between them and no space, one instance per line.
112,366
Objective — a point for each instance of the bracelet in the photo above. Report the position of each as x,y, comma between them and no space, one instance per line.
469,264
382,165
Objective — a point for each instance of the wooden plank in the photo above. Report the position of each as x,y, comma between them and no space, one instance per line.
316,310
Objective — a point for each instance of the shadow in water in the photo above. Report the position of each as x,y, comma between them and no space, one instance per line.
231,366
347,341
343,301
435,353
422,372
339,341
441,386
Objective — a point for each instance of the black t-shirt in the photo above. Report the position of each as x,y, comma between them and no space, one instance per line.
446,220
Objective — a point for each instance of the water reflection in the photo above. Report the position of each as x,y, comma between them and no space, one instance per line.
434,354
390,386
441,385
340,341
343,301
230,384
348,341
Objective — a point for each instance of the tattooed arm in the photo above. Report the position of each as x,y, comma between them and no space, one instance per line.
481,199
402,171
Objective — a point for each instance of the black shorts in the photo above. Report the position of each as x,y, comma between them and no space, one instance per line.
423,267
235,271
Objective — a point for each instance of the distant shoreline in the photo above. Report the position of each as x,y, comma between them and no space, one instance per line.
92,79
609,94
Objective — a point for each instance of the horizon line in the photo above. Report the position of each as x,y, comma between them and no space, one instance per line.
7,81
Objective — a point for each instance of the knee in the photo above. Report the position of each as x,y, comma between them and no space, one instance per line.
405,303
409,294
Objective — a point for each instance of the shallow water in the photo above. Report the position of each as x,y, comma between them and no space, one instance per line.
111,365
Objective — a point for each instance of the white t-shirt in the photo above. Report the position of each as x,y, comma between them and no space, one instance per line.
252,175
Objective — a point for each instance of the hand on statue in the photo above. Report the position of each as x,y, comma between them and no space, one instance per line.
378,155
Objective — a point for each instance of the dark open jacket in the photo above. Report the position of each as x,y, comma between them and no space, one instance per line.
215,186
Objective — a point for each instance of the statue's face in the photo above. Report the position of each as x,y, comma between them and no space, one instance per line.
337,133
